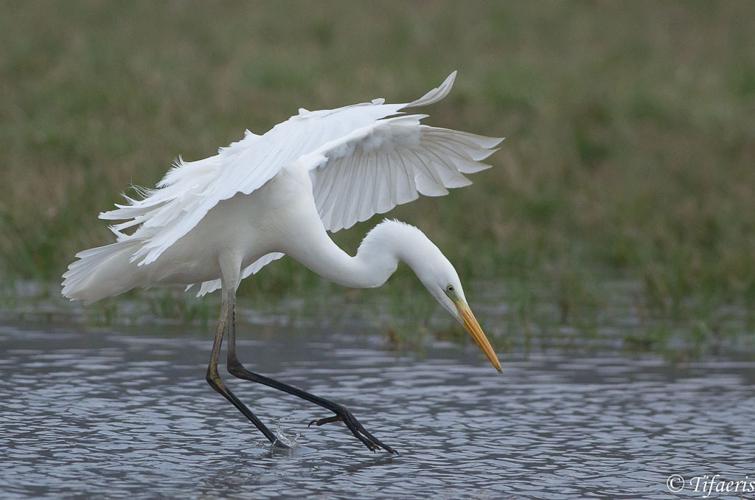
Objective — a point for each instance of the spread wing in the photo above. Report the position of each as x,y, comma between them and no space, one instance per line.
388,163
191,189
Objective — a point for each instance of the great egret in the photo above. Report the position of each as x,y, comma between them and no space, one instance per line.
211,223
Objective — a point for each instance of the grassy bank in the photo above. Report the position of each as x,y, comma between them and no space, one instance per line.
630,150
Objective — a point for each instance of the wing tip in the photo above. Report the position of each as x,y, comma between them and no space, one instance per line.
437,94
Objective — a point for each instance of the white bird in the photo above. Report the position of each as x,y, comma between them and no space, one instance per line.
211,223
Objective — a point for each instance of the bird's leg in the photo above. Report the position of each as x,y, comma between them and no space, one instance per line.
213,377
236,369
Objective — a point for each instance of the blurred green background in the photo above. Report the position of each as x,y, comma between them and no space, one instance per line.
630,137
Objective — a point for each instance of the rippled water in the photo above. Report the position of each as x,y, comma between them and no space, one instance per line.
126,414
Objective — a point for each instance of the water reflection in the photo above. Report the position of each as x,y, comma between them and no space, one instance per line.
121,414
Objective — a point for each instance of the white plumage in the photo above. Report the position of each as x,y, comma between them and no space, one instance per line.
189,191
362,160
213,222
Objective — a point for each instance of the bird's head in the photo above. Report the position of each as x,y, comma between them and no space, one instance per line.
407,243
440,278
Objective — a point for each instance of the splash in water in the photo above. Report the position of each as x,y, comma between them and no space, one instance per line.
282,440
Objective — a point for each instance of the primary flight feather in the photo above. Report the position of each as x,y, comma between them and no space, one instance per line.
213,222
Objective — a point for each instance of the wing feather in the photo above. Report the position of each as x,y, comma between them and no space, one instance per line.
407,187
253,268
388,163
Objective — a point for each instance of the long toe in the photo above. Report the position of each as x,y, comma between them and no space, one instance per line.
326,420
357,429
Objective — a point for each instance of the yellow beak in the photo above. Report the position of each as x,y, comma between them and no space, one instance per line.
474,329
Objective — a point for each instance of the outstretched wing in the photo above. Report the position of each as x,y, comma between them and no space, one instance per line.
191,189
388,163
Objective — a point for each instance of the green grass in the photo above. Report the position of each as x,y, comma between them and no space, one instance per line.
630,150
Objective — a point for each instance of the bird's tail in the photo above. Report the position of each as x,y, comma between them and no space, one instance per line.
102,272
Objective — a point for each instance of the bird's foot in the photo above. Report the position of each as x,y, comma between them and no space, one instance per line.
326,420
356,428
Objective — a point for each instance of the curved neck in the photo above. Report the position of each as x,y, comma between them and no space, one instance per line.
376,260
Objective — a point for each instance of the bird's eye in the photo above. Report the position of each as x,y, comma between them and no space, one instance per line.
450,288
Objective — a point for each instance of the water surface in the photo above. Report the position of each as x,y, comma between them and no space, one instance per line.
120,413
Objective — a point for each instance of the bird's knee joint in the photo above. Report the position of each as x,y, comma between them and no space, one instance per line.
235,368
213,378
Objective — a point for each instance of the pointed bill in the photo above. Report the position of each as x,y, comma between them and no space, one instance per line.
474,329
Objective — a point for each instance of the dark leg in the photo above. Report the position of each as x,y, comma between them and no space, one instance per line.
341,413
213,378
